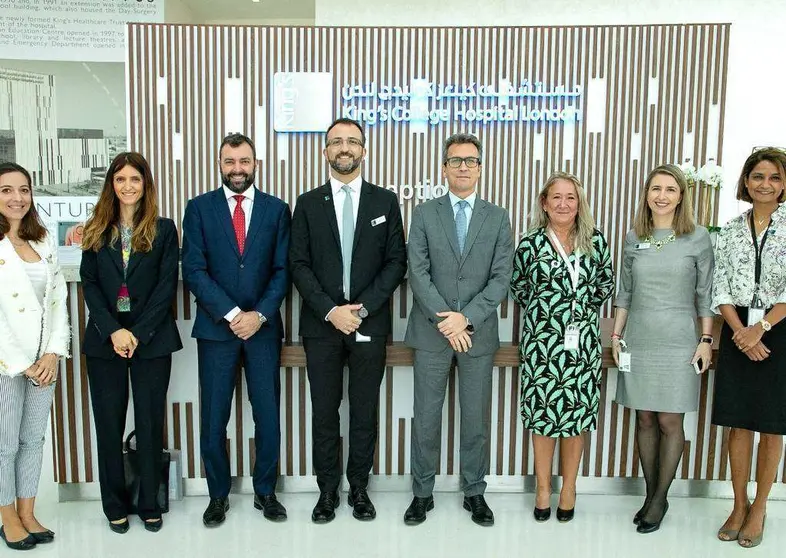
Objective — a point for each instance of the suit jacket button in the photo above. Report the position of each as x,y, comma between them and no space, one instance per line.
455,300
242,266
21,309
461,277
15,295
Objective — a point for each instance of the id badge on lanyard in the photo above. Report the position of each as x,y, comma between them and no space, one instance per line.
624,357
572,329
756,309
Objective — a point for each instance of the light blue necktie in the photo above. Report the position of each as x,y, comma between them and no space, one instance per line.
347,236
461,224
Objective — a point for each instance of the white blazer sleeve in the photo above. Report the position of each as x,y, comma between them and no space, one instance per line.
60,334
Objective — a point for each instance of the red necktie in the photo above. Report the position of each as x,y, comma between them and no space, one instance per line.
239,222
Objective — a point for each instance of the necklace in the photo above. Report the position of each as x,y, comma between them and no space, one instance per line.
760,222
658,244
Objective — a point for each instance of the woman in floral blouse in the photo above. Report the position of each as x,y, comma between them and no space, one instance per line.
562,275
749,291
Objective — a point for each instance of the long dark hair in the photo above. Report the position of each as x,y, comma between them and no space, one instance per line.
31,227
106,214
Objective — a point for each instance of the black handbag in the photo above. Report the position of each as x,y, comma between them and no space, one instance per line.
131,465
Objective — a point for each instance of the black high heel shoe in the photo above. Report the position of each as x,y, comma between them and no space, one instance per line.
43,537
563,516
647,527
120,528
541,514
28,543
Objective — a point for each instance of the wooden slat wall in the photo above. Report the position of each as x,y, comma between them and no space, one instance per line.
664,86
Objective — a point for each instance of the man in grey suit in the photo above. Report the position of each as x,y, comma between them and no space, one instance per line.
460,256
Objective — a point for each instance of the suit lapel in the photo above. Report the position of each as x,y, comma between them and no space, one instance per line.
257,217
221,206
326,196
479,214
115,253
445,212
364,213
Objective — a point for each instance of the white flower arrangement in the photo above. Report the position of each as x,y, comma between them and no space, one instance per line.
710,174
709,177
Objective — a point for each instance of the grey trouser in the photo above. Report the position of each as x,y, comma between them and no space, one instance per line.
431,379
24,410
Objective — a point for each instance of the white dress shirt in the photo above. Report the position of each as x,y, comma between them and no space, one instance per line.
248,206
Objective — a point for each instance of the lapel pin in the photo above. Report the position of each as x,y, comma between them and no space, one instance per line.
327,198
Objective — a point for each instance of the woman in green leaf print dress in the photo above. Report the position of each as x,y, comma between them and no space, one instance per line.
562,274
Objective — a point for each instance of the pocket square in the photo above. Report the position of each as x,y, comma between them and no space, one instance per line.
378,221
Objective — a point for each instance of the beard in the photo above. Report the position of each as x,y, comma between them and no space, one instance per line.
241,187
345,168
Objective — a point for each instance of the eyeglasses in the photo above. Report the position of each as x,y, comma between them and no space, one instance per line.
352,142
455,162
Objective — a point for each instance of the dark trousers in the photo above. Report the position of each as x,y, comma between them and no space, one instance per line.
109,395
218,364
325,358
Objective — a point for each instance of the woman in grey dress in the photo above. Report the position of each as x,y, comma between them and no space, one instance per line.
666,282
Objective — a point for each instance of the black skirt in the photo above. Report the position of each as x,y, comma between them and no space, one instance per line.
749,394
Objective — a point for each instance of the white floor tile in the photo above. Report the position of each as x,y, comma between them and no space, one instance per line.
602,528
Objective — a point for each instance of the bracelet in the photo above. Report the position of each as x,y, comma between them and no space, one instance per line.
706,339
616,336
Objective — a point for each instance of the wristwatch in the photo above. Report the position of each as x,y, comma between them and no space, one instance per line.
363,313
765,325
262,319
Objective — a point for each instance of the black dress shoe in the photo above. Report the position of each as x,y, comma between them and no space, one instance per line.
564,516
362,506
216,512
647,527
154,526
28,543
120,528
416,512
43,537
541,514
271,508
637,517
481,513
325,510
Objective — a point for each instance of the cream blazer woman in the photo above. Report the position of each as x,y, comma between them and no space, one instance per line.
29,329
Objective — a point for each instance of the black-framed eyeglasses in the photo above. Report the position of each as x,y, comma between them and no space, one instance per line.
337,142
455,162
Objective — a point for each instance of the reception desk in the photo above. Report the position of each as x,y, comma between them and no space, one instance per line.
610,461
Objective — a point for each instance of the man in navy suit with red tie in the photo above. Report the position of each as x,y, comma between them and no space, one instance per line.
235,244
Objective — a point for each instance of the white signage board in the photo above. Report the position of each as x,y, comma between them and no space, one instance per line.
84,30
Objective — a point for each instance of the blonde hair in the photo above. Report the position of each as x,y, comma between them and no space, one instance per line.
584,225
683,222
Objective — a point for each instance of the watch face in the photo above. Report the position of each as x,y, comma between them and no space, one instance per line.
363,313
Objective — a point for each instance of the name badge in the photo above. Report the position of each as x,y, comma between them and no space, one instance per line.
378,221
572,337
755,315
643,246
624,361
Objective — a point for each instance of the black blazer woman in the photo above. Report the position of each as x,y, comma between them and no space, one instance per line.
129,275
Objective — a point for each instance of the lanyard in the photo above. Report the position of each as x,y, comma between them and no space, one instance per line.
574,270
759,251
